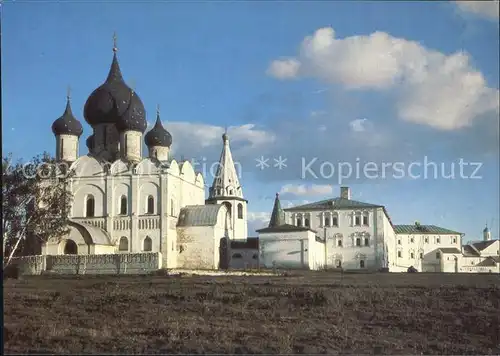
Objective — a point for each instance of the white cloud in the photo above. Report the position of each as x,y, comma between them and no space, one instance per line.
488,9
284,68
306,190
358,125
317,113
257,220
186,135
442,91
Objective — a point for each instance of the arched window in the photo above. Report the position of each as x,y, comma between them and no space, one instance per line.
237,255
306,222
229,207
240,211
299,222
151,205
335,220
357,219
365,218
148,244
70,248
123,244
90,206
327,221
123,205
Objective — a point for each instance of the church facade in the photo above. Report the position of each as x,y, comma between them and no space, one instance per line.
129,201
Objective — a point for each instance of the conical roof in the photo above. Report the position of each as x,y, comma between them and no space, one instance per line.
277,216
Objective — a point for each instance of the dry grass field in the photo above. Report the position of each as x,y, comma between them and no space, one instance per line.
308,313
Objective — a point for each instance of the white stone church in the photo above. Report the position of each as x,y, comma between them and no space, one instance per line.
129,202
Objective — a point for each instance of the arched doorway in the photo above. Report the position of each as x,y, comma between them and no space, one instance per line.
70,248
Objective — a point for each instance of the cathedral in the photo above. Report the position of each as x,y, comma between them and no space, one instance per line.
129,201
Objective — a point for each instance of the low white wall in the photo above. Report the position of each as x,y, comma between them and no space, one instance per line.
126,263
30,265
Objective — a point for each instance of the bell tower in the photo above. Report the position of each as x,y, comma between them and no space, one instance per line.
226,189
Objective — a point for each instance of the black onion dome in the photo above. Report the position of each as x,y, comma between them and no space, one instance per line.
67,124
134,117
158,136
90,142
108,102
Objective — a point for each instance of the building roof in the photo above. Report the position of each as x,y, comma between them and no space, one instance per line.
335,203
481,245
277,216
284,228
90,142
158,136
67,124
113,103
423,229
199,215
470,251
249,243
277,222
226,184
338,203
488,262
134,116
450,250
98,235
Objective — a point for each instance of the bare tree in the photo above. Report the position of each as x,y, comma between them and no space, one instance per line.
35,202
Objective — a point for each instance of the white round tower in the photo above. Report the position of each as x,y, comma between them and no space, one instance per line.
67,130
131,125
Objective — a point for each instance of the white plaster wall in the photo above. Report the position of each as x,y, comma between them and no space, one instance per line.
348,253
30,265
288,253
91,264
197,248
240,225
84,187
419,245
160,153
492,250
316,253
133,146
389,244
121,188
148,186
69,151
103,249
284,250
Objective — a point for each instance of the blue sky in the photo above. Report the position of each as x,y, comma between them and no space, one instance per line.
336,81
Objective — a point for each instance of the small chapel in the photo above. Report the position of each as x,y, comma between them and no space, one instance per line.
129,201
